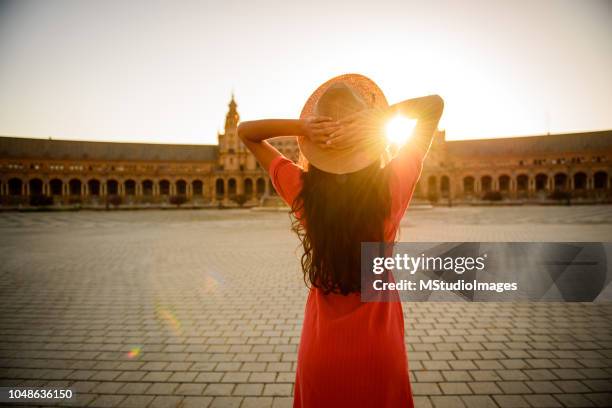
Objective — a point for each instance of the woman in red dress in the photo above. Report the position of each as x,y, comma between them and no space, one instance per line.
347,190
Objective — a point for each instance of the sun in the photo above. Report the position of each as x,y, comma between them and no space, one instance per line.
399,129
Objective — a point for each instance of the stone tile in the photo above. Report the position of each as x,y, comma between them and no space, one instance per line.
196,402
226,402
106,401
248,389
166,401
219,389
136,401
447,402
478,401
190,389
542,401
278,390
511,401
257,402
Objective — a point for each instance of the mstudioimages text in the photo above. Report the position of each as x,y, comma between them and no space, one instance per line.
413,264
441,285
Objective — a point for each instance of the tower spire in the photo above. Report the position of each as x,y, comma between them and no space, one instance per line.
232,117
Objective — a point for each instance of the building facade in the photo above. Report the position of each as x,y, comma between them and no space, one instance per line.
59,172
576,166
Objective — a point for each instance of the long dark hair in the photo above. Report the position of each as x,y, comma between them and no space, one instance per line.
332,215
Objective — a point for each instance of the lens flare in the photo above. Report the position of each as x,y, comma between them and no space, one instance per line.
399,129
134,352
210,284
170,319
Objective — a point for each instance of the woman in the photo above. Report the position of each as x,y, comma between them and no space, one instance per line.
351,353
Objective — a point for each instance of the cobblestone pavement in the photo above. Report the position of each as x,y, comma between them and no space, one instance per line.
204,308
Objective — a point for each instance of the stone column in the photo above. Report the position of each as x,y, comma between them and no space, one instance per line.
84,189
550,182
188,188
24,188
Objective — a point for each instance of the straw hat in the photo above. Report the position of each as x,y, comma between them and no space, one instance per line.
364,93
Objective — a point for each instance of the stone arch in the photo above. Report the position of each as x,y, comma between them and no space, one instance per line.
248,187
560,180
580,181
541,182
74,187
197,187
35,187
181,187
468,184
600,180
129,187
93,187
486,183
232,186
15,186
56,187
504,183
147,187
164,187
112,187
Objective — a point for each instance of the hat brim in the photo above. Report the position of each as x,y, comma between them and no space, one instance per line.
354,158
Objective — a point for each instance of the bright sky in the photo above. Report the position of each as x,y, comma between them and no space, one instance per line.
163,71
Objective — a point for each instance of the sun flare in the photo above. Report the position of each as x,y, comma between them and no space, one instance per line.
399,129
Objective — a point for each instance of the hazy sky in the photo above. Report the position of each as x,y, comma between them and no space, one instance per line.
163,71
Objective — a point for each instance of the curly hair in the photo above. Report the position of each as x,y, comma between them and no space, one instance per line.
332,215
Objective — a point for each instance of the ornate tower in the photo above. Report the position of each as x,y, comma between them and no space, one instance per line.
232,152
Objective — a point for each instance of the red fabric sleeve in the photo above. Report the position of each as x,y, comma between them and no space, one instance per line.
286,178
405,172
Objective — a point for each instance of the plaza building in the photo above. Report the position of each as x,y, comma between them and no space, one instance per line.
35,172
63,172
576,166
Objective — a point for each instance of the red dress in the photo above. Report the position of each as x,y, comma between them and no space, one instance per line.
352,354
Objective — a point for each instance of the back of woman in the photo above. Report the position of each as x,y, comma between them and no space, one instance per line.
351,353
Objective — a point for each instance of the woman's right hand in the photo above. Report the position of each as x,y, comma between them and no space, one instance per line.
363,126
319,128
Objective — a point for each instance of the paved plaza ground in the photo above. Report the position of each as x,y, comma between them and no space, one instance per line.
198,308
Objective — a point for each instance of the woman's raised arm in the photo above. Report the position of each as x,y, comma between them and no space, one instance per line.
369,124
427,110
254,134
